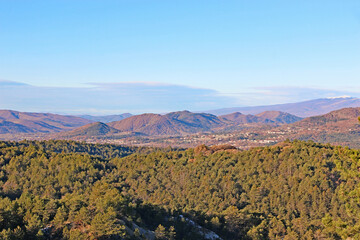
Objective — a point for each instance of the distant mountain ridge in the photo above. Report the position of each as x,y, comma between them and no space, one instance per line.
240,118
268,117
106,118
339,127
26,122
175,123
185,122
302,109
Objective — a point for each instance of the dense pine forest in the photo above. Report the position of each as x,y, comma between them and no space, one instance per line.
72,190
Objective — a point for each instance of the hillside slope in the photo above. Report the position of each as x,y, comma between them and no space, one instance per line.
240,118
149,123
335,120
7,127
176,123
38,122
71,190
268,117
337,127
278,117
90,130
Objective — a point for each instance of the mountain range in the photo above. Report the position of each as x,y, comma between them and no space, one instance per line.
14,123
340,127
302,109
179,123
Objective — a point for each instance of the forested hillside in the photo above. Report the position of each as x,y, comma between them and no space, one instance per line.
72,190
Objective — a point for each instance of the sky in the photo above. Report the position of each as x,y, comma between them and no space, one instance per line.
114,56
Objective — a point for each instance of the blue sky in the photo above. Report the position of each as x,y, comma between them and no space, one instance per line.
198,54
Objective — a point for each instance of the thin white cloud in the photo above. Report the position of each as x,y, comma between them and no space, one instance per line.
11,83
139,97
134,83
282,94
110,98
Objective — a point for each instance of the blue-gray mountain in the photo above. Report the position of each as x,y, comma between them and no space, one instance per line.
107,118
302,109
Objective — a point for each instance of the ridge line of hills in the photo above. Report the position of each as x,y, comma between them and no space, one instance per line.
174,123
185,123
20,125
188,129
181,123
